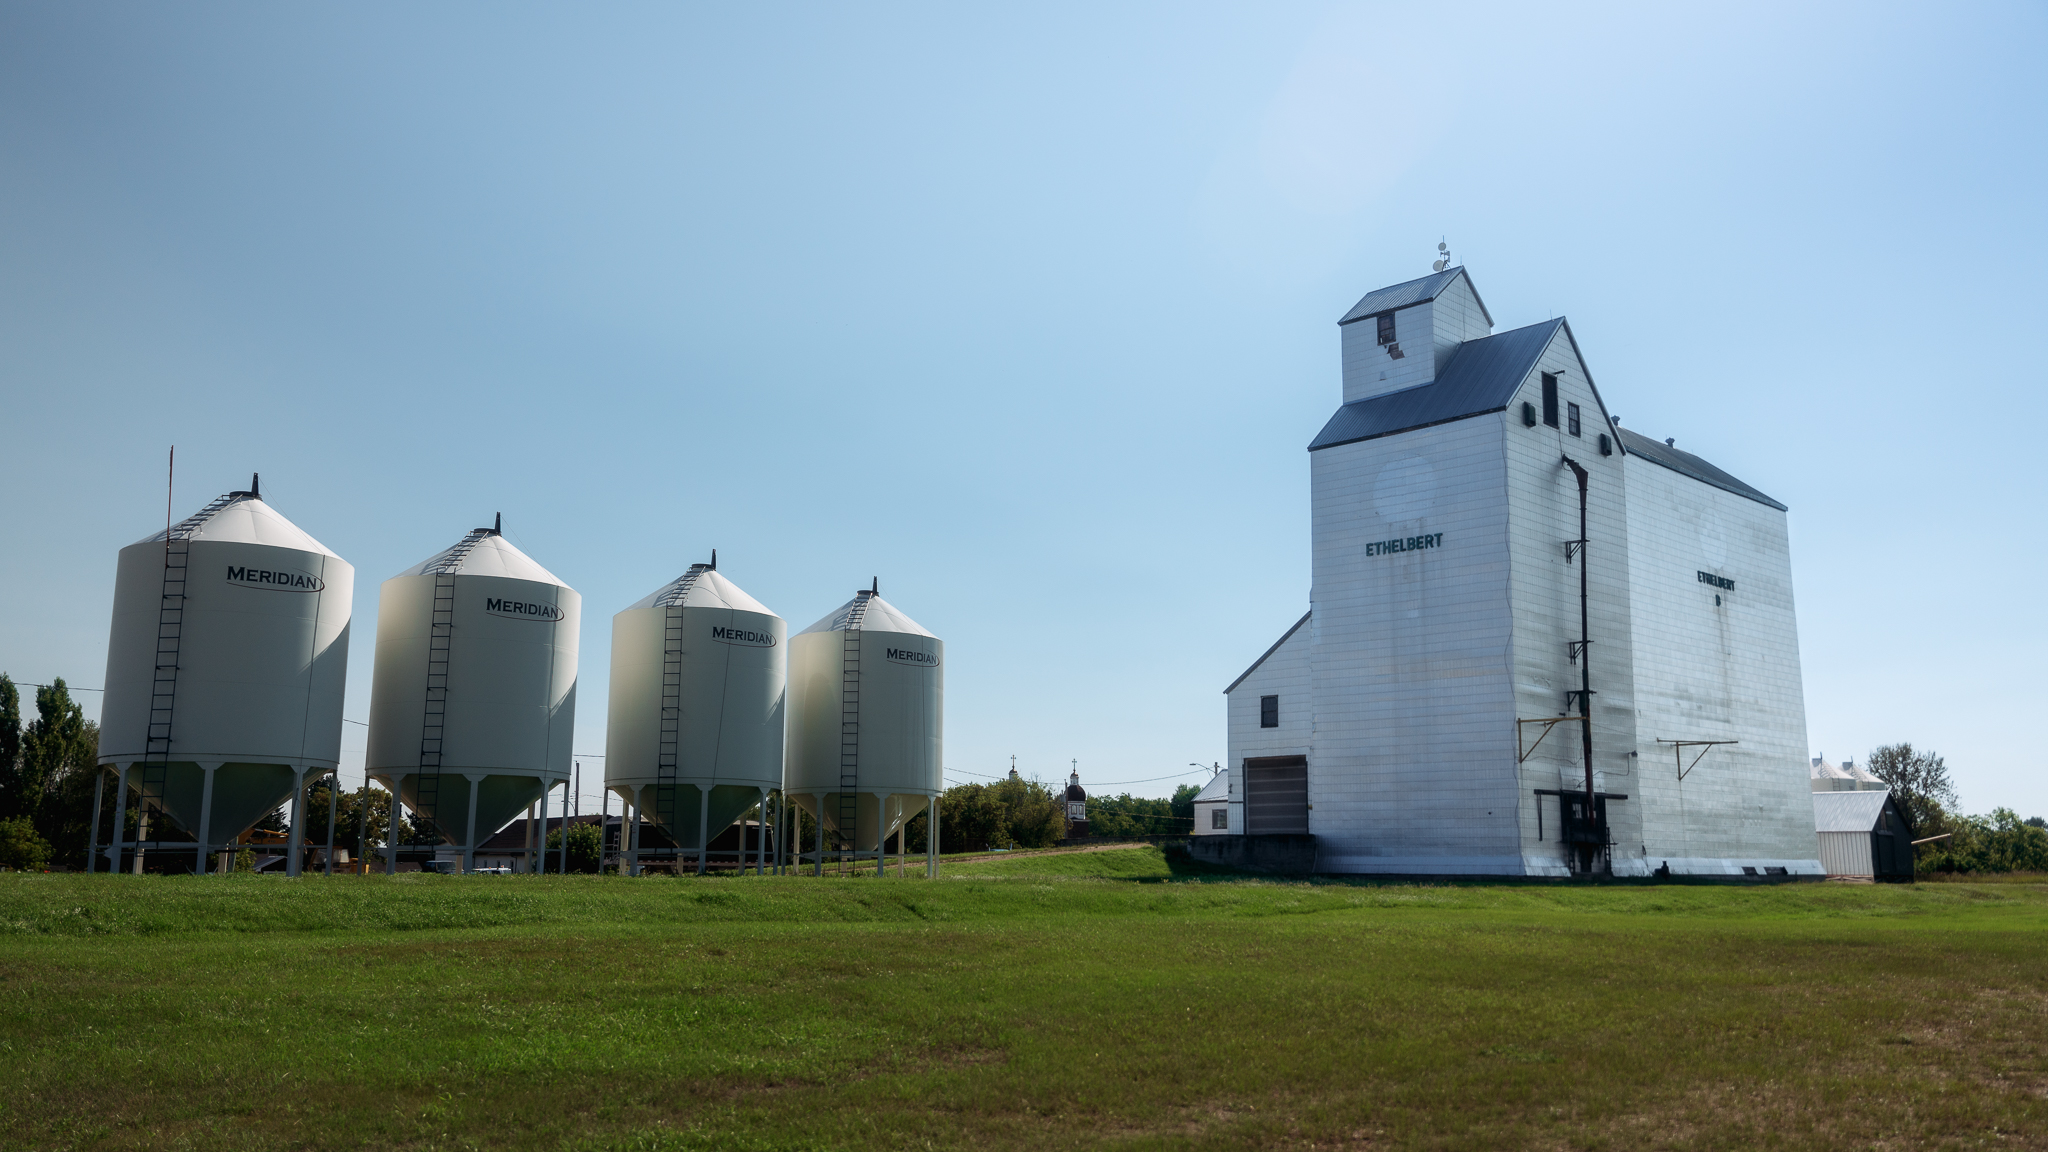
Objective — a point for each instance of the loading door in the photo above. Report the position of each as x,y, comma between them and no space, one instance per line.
1275,795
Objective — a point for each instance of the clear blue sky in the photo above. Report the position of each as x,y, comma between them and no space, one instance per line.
1030,313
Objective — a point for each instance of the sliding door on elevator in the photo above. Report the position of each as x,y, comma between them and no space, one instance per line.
1275,795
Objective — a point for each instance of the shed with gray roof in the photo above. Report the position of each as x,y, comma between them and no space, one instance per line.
1863,835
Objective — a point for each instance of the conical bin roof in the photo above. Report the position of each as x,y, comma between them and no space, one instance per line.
707,590
243,519
490,555
881,616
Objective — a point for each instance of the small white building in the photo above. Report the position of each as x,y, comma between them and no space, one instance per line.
1501,572
1216,812
1863,835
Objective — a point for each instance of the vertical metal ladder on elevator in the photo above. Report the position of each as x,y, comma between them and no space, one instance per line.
849,725
163,690
668,754
440,645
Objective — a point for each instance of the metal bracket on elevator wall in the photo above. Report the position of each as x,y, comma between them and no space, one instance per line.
1522,754
1678,748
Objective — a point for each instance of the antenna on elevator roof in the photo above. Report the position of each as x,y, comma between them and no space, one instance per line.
1443,249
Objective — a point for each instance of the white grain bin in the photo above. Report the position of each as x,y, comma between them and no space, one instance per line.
699,675
225,666
474,694
866,705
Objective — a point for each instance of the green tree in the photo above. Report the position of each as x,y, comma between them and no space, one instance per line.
67,800
356,808
1184,802
999,814
2000,842
44,748
20,847
10,739
1128,815
53,773
1921,783
586,849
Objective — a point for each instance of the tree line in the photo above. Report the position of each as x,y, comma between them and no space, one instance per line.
1022,813
50,763
2000,842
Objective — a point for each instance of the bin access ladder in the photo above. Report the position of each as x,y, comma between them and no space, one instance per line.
440,645
849,725
668,753
163,689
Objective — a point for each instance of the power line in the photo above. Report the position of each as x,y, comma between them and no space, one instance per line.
1153,780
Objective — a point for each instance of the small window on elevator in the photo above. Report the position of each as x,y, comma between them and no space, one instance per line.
1269,711
1550,399
1571,414
1387,328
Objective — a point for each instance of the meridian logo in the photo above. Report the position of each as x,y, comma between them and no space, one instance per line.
522,610
745,637
274,581
914,659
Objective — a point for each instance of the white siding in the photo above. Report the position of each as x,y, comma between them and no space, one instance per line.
1369,371
1414,745
1428,333
1543,500
1284,674
1846,854
1455,317
1726,672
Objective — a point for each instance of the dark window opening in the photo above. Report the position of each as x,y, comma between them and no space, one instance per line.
1269,711
1550,399
1571,413
1528,415
1219,817
1387,328
1606,445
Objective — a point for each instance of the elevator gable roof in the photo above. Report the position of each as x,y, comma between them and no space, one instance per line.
1397,296
1481,377
1687,464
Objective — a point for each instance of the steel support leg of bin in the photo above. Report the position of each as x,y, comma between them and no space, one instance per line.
205,815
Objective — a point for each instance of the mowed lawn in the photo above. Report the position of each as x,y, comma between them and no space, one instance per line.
1055,1001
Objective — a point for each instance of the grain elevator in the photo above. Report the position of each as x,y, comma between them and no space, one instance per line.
1537,643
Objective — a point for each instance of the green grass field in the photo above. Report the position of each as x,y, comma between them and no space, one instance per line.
1089,999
